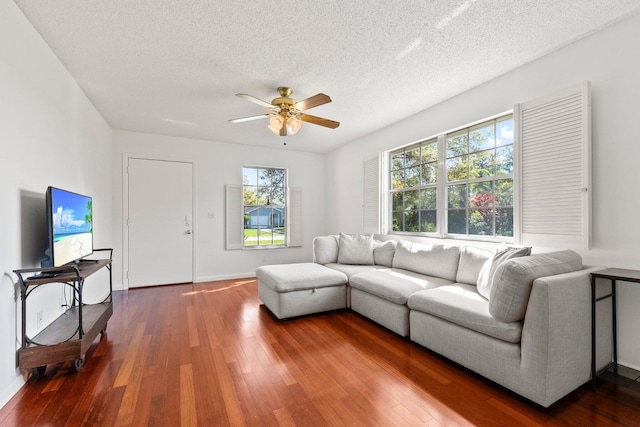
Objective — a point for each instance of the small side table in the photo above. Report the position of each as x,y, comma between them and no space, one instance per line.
611,274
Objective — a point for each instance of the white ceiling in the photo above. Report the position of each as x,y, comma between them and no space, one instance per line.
172,67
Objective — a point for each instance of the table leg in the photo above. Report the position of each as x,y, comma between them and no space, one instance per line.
593,332
615,326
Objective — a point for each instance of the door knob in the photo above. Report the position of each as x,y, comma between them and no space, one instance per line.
187,232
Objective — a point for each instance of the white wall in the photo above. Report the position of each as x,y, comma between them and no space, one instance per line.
46,121
50,134
217,164
610,60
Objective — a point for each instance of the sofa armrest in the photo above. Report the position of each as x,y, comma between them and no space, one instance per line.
556,336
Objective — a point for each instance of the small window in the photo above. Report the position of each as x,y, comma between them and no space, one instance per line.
265,209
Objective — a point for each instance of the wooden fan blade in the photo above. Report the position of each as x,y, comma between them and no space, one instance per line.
255,100
314,101
320,121
247,119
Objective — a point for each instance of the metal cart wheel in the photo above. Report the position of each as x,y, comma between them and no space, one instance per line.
77,364
38,371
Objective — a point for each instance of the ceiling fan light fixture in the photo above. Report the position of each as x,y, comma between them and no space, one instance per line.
293,125
275,123
286,114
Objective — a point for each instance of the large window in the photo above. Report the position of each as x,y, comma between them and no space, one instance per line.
465,178
264,195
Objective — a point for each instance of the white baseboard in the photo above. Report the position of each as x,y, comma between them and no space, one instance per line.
251,275
11,390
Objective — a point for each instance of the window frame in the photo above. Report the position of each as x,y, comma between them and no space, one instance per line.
420,188
442,184
286,207
493,178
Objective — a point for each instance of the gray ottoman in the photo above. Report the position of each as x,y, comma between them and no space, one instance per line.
290,290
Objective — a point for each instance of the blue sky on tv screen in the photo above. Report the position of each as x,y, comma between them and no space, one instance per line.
70,212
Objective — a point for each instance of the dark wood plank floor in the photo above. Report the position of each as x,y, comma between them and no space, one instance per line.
209,354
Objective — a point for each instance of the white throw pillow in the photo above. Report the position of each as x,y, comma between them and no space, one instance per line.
356,249
472,260
485,278
383,252
325,249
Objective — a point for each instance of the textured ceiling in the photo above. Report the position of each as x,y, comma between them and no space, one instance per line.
172,67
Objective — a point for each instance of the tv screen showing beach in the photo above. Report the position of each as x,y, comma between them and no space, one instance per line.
72,220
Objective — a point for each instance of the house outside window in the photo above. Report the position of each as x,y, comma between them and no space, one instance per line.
456,184
265,210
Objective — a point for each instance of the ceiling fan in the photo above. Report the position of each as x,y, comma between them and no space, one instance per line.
286,114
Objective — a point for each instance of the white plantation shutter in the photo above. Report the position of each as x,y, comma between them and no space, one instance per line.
371,196
234,216
295,217
555,187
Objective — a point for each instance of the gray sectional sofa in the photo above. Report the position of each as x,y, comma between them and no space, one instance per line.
523,321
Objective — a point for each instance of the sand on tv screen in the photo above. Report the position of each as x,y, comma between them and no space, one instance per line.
72,219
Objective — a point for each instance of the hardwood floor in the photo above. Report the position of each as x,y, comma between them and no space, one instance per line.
209,354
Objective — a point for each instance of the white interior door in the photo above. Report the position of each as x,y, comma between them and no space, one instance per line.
160,222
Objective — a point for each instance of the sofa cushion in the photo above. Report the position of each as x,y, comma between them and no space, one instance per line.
295,277
513,280
484,281
431,260
471,262
355,249
461,304
383,252
350,270
325,249
394,285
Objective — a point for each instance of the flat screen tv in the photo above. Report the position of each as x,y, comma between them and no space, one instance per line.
70,227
